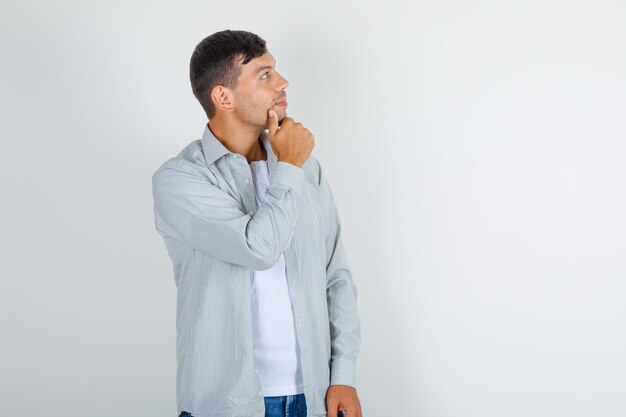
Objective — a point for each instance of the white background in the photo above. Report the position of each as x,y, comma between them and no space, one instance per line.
477,152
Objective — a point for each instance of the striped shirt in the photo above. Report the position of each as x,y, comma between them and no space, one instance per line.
216,236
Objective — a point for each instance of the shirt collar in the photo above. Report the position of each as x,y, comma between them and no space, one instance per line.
214,149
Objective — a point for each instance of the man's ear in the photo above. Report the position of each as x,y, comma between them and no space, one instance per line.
222,98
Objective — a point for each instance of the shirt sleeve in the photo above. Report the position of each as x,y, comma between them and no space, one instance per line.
341,295
210,220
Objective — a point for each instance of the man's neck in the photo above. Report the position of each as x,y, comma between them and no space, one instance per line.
238,139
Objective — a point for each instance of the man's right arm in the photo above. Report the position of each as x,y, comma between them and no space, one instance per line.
211,221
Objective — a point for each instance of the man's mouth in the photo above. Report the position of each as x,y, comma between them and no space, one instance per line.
282,102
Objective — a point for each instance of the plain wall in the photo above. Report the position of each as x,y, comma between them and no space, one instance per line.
477,152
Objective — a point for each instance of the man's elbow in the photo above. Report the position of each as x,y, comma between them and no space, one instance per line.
260,262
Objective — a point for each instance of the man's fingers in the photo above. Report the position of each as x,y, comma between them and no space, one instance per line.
332,407
272,122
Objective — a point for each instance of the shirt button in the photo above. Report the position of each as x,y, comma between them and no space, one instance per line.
256,371
261,393
247,181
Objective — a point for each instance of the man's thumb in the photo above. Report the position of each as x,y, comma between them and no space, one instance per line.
272,122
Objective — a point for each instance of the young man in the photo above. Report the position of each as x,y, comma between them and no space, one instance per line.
267,321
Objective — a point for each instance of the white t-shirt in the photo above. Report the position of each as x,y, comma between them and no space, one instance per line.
276,347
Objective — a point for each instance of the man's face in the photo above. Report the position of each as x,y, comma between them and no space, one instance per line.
260,88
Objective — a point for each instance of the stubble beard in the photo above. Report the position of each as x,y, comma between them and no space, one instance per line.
255,114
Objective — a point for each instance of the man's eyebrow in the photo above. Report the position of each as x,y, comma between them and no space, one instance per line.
265,67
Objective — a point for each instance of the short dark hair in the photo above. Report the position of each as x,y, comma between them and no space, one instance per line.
215,60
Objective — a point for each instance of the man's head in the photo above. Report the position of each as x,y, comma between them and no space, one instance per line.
232,73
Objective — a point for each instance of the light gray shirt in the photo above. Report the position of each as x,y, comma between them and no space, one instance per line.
216,236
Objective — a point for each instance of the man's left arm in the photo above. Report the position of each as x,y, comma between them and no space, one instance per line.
341,296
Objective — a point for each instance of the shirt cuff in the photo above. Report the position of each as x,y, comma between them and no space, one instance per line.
288,175
343,372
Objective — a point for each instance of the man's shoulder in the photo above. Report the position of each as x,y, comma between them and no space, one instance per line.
191,154
191,157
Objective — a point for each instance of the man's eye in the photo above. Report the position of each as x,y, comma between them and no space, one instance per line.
267,72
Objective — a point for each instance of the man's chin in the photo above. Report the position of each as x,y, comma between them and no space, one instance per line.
282,113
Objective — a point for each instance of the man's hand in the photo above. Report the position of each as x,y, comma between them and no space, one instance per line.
291,143
343,397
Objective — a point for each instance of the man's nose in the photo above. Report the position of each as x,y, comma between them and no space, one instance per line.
283,83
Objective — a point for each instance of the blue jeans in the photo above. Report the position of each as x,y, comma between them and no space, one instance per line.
285,406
